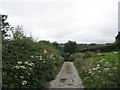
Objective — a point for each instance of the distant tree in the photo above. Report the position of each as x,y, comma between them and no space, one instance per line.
93,44
70,47
45,42
18,32
55,44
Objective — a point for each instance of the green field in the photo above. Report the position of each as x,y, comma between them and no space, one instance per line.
98,70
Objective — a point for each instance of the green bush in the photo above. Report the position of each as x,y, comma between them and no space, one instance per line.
66,56
88,55
28,64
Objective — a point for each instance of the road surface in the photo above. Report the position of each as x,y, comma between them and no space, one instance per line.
67,78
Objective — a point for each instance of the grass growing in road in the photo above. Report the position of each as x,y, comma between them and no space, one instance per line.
99,70
68,70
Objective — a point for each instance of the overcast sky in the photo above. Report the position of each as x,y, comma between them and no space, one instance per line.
83,21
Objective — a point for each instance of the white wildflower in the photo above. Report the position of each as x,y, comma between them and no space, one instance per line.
24,82
103,59
21,77
97,76
103,82
99,71
26,62
40,57
43,61
23,67
30,68
90,71
115,52
110,74
17,67
98,65
86,77
115,68
36,56
61,57
45,51
53,58
106,69
30,64
32,56
19,62
106,62
95,68
28,73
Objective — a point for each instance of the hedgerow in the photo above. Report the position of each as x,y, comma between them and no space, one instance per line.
29,64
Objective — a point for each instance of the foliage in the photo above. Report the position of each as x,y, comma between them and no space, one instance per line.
5,28
70,47
108,47
56,44
98,71
66,56
29,64
118,37
84,47
104,48
18,32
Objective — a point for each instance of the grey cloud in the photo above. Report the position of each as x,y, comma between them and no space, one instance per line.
79,20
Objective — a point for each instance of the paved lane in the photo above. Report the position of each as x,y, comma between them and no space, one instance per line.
67,78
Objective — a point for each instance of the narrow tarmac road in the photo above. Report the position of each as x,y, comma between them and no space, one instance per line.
67,78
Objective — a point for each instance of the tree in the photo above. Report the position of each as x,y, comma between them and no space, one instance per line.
18,32
4,26
70,47
55,44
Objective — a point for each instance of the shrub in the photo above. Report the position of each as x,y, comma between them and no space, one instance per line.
29,64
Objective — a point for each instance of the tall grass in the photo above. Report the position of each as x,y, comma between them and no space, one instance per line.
99,70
